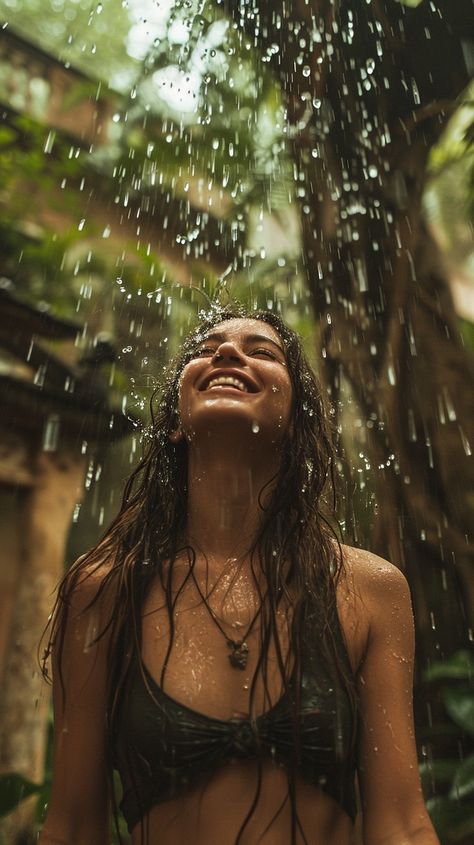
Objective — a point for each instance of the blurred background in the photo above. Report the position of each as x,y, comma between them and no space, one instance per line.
314,158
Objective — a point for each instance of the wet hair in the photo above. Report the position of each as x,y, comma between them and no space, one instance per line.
295,547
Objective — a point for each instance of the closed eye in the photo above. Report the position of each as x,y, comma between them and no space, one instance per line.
266,352
210,351
204,352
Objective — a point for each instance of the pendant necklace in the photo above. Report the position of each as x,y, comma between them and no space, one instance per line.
239,650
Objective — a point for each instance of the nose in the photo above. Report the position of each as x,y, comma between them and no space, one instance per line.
227,350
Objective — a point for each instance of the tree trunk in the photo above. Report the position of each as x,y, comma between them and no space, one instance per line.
369,88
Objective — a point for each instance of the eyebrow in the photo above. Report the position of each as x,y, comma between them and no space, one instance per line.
250,338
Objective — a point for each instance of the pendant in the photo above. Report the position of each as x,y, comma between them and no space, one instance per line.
239,655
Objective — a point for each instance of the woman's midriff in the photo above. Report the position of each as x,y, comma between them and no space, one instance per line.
212,812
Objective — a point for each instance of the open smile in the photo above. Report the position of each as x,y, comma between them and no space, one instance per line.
229,382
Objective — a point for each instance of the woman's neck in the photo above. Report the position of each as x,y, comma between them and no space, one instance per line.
226,490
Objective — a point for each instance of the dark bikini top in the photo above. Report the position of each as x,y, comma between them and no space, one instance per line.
162,747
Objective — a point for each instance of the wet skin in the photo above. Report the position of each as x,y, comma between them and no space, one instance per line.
199,676
234,435
255,410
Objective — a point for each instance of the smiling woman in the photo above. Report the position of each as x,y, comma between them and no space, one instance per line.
239,373
219,648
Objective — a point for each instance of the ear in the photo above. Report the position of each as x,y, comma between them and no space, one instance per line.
176,436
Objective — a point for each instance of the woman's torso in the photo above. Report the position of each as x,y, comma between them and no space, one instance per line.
216,696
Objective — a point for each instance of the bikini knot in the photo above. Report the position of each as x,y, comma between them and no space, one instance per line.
244,738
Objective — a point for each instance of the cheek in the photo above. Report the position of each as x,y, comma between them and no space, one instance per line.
184,394
283,394
187,399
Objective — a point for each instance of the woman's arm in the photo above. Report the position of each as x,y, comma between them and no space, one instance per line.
78,812
394,812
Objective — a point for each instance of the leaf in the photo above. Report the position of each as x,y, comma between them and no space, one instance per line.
463,783
437,730
460,665
452,820
7,136
439,771
13,789
459,702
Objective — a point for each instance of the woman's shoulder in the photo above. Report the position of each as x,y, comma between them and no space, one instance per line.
374,583
83,617
370,573
368,590
89,583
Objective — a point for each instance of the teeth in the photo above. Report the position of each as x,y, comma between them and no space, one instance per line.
235,382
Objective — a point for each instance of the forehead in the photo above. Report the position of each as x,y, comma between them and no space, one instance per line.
241,328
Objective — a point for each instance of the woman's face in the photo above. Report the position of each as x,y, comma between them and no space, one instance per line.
236,380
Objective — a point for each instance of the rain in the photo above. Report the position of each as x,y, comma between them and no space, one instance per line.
315,159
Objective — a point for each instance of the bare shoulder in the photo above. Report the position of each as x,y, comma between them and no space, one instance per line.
89,583
81,633
373,596
370,572
83,611
378,586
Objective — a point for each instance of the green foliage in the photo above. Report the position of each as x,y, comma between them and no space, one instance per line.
14,788
467,331
92,36
22,152
459,703
232,135
460,666
449,198
452,811
45,261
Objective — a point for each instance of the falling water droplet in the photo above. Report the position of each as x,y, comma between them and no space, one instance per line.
465,443
255,427
49,143
40,375
51,433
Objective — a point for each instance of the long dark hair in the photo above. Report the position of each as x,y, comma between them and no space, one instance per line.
296,548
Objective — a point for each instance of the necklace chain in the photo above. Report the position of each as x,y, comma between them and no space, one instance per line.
239,650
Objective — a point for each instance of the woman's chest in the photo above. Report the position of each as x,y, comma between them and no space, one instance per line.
208,640
203,644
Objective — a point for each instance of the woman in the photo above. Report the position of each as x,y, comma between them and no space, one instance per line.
218,647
